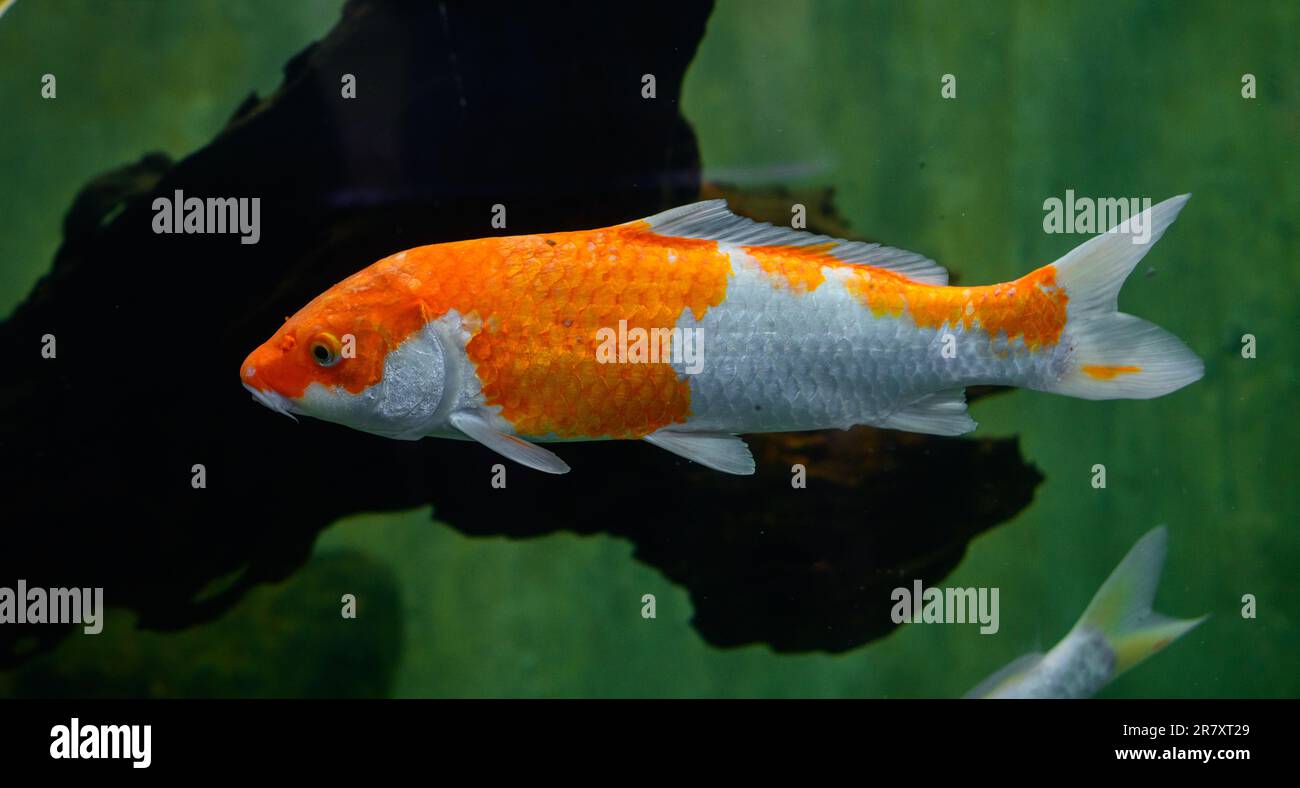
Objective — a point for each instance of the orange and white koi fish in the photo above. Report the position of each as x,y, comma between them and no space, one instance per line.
507,340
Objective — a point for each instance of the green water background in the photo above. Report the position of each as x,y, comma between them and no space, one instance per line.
1107,99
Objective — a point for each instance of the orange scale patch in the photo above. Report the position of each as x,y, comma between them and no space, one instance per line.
1107,372
1032,308
884,292
541,306
798,269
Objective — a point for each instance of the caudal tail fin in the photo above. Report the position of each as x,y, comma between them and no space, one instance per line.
1121,609
1118,356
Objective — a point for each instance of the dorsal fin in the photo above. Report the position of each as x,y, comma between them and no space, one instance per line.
713,220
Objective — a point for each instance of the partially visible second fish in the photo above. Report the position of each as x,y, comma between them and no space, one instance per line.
1116,632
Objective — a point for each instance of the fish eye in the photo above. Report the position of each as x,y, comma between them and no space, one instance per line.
325,350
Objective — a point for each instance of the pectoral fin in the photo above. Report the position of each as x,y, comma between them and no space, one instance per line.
717,450
475,426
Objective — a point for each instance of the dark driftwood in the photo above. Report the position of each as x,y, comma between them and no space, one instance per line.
540,110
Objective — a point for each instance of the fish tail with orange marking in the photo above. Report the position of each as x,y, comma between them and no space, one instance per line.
1105,353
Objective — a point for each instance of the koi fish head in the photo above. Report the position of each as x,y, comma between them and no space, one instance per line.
347,360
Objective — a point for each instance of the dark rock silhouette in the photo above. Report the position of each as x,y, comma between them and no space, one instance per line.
539,110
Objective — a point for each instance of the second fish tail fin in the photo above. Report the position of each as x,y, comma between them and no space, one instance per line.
1114,355
1121,609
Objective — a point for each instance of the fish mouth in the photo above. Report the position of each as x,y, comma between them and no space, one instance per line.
273,400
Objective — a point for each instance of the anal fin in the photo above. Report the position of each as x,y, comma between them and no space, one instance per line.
717,450
940,413
475,426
